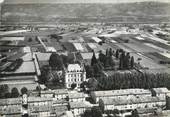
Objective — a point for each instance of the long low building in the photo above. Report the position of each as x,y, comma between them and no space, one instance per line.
132,103
96,95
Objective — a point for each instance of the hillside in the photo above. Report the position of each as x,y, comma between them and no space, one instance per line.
131,12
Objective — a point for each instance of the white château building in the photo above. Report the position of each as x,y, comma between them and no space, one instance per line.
74,74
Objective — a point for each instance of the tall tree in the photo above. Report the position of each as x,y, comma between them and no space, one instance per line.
89,71
24,90
127,60
55,61
14,92
45,71
93,60
117,54
110,52
4,89
107,52
96,112
102,57
132,62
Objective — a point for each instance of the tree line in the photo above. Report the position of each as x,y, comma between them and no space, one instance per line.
5,93
134,80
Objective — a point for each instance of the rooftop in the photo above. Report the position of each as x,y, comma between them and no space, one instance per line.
121,92
60,91
132,100
161,90
76,95
74,67
10,110
38,99
79,105
12,39
10,101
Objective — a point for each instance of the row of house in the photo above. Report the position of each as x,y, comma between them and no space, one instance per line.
125,93
57,102
133,102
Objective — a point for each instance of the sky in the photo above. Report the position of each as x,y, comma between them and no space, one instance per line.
80,1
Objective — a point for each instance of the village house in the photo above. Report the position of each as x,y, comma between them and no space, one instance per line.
125,93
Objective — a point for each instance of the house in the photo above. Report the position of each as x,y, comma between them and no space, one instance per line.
76,97
10,107
96,95
56,94
39,101
160,92
60,94
40,111
78,108
74,74
131,103
8,111
59,110
39,106
47,94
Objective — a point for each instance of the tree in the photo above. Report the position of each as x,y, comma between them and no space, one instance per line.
92,84
38,89
93,60
30,39
117,54
14,92
83,85
110,52
97,69
135,113
96,112
102,57
111,62
89,71
115,112
64,59
24,90
55,61
127,60
87,113
45,71
73,86
4,89
107,52
101,105
8,95
132,62
121,62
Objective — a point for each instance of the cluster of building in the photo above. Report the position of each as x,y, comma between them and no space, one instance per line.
65,103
